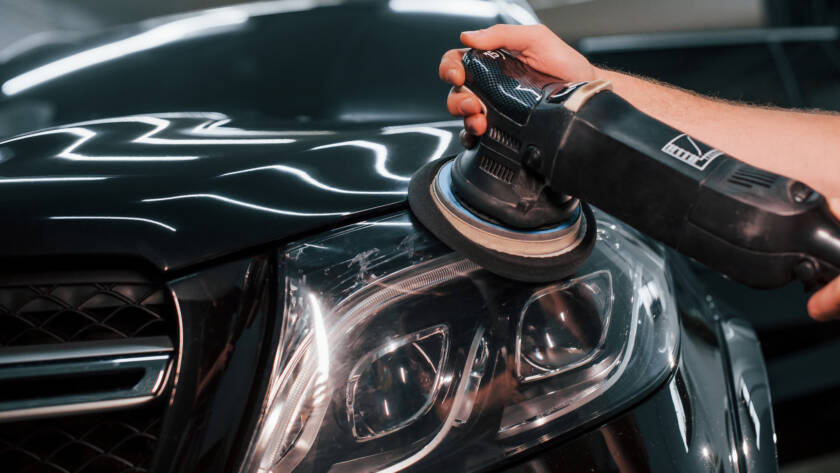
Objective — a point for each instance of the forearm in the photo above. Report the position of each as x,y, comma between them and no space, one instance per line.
801,145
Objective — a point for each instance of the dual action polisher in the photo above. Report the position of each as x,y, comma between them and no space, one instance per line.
517,203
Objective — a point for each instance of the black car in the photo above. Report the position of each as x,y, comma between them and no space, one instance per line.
209,265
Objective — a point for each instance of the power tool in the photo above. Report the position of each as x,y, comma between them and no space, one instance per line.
518,202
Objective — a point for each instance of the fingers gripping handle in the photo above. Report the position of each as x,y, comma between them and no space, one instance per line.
493,177
504,84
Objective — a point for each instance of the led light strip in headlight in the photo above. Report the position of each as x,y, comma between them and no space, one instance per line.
398,355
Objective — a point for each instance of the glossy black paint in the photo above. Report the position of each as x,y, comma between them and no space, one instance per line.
178,189
228,318
176,106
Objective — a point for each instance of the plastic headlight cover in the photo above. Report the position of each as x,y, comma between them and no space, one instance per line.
397,354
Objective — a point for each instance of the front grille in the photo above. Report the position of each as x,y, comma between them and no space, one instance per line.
40,314
103,443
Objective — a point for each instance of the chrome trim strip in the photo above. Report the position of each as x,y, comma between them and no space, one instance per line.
150,357
175,368
80,408
78,350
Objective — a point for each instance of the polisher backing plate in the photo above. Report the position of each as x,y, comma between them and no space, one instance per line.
530,256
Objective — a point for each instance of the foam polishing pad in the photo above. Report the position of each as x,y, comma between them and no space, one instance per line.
539,255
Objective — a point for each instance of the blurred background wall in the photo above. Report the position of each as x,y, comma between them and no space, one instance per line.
575,19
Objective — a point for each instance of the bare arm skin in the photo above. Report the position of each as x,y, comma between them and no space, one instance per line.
801,145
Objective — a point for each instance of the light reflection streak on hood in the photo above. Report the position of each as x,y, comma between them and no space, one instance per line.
307,178
380,153
384,224
84,135
167,33
474,8
180,27
444,137
248,205
41,179
108,217
212,127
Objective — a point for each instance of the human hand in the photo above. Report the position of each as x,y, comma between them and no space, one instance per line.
825,304
535,45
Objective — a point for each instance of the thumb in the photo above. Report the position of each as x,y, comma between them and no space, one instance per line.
511,37
834,206
825,303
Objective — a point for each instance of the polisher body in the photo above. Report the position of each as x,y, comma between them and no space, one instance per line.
552,145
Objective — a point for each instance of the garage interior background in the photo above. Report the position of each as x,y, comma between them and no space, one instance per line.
779,315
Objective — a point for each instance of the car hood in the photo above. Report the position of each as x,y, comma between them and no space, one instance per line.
182,188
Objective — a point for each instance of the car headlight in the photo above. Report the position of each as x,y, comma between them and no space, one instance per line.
396,353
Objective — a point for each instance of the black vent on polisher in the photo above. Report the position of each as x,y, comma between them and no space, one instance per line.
749,177
496,169
503,139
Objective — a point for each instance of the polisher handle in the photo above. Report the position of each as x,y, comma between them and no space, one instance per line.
504,84
756,227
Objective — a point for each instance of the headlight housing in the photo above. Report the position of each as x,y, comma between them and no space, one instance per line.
396,353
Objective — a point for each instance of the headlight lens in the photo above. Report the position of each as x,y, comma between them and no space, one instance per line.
393,385
563,326
396,353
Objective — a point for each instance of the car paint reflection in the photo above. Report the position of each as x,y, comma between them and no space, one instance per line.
84,135
463,8
754,428
444,137
104,217
177,30
207,174
380,153
304,176
42,179
210,124
248,205
181,28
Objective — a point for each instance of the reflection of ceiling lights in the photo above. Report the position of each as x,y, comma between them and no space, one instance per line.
546,4
167,33
447,7
475,8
